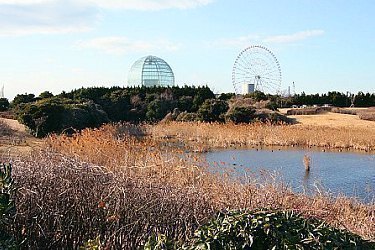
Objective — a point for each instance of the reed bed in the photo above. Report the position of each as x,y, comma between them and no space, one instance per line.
122,188
203,136
368,114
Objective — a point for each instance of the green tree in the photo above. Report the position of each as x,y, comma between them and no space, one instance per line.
202,94
158,109
4,104
54,115
240,114
23,98
45,94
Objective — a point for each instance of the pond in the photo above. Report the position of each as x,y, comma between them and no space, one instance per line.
347,173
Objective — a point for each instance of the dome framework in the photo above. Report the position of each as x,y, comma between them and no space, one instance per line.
151,71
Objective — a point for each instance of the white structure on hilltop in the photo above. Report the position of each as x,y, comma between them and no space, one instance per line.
248,88
150,71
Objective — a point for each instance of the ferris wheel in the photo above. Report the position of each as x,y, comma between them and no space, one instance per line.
257,68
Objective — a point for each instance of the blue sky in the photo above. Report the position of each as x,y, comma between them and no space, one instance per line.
57,45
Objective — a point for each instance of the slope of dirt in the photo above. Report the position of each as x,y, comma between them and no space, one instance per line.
14,138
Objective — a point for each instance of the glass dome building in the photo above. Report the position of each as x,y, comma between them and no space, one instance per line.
150,71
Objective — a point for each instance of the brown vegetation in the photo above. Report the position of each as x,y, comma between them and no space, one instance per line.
206,135
368,114
123,188
308,111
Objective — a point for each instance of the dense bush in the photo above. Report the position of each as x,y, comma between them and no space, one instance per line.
213,110
272,230
57,114
7,207
45,94
187,117
240,114
4,104
265,115
23,98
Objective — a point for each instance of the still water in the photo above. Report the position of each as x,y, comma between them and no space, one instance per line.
351,174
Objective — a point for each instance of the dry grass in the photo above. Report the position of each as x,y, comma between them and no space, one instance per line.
335,120
202,136
307,111
122,188
368,114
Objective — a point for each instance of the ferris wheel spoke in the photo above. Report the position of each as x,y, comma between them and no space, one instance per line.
244,63
257,65
270,78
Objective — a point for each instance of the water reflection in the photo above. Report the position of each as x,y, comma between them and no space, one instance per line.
351,174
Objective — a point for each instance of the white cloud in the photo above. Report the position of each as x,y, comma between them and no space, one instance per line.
299,36
25,2
123,45
149,5
26,17
241,41
45,17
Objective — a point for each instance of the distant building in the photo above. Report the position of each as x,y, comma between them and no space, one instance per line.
150,71
248,88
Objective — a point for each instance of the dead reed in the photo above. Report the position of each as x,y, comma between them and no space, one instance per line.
201,135
122,188
307,162
368,114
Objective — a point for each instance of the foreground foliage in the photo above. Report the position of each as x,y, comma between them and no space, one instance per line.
114,187
7,207
272,230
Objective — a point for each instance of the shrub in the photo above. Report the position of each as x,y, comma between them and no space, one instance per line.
240,114
367,115
344,111
272,230
187,117
4,104
272,106
54,115
212,110
23,98
265,115
7,207
308,111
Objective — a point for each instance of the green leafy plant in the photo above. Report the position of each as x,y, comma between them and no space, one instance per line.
7,207
92,244
272,230
159,242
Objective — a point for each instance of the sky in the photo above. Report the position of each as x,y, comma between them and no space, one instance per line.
60,45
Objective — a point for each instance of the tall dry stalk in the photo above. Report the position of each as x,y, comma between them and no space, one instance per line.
307,162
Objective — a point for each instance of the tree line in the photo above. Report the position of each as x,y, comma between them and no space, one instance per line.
91,107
